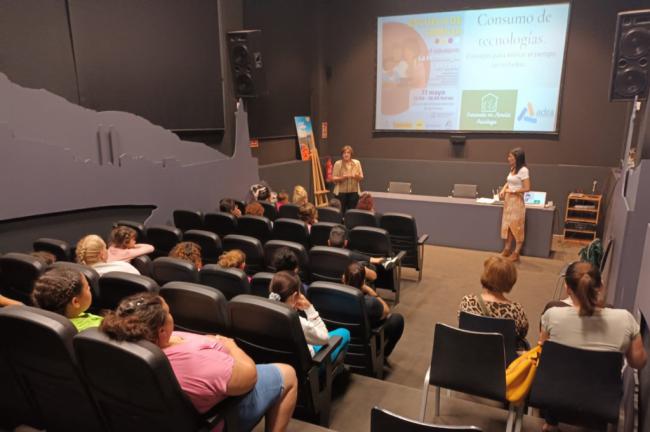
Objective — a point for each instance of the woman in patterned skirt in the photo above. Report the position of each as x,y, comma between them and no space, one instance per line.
514,210
498,278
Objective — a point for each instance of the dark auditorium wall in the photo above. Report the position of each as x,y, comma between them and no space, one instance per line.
591,128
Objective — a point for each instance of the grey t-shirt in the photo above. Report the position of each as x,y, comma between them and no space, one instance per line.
606,330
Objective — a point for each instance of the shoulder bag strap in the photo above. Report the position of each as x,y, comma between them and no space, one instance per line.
481,303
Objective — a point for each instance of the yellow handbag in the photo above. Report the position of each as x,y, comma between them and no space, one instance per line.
520,375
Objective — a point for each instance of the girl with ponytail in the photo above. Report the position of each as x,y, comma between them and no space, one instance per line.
588,325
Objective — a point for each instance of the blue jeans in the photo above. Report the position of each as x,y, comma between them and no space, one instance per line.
264,395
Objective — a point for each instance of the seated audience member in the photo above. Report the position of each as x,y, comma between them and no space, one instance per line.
67,293
123,246
308,214
44,257
498,278
335,202
188,251
208,368
338,239
254,209
367,203
285,259
91,251
588,325
376,308
6,301
234,258
283,198
262,192
285,287
299,196
228,205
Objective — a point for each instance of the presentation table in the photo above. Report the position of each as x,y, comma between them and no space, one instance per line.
465,223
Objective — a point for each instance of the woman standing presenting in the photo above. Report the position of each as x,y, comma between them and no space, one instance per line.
347,174
514,210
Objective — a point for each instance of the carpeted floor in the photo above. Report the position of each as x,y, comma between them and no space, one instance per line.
448,275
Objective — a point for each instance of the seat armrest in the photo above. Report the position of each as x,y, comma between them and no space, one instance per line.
379,329
324,354
399,256
423,238
224,410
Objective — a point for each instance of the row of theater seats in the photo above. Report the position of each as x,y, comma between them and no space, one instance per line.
578,386
267,330
191,219
401,228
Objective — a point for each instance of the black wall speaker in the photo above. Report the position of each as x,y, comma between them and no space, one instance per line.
246,63
630,71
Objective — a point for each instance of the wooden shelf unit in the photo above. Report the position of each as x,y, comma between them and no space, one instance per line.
582,217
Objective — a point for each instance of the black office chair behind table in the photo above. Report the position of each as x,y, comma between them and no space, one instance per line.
37,344
136,389
270,332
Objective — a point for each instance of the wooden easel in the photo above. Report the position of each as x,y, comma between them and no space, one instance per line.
320,191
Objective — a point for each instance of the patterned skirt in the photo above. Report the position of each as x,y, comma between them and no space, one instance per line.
514,216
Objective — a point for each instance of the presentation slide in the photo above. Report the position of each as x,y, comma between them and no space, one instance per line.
473,70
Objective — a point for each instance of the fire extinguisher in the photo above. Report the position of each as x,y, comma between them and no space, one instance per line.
328,170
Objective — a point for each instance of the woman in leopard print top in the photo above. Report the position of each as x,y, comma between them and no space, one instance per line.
499,276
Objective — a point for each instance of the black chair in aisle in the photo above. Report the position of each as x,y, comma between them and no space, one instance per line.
197,308
468,362
356,217
382,420
579,386
503,326
403,233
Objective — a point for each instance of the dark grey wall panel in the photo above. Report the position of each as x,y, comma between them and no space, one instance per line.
35,46
287,48
437,178
18,235
591,128
155,58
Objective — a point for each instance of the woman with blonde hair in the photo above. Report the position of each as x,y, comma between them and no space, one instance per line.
498,278
346,174
91,251
300,196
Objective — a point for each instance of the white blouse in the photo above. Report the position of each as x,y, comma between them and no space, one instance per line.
516,181
314,329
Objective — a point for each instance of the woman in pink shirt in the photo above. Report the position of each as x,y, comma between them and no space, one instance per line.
123,246
208,368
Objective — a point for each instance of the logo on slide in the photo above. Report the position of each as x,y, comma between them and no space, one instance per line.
528,113
489,103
